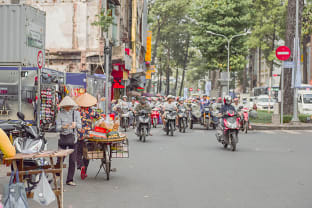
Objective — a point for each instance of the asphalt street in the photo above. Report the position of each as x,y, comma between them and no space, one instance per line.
270,169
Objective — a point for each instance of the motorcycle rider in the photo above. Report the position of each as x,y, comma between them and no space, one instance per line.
168,106
236,104
226,107
142,105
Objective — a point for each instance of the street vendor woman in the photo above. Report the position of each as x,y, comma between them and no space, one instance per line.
88,115
67,123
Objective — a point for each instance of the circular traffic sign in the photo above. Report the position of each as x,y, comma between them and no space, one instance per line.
283,53
40,59
191,89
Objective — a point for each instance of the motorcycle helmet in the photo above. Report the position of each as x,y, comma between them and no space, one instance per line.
133,98
227,100
170,97
143,100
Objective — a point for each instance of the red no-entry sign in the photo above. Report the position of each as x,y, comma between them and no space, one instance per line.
283,53
40,59
191,89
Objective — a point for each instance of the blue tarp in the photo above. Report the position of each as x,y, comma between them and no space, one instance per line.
78,79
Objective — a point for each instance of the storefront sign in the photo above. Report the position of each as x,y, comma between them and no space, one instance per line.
35,36
148,55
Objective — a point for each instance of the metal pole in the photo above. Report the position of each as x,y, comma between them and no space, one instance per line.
20,89
106,52
39,97
295,113
228,66
282,96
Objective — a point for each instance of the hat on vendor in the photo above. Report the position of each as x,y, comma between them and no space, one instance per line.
86,100
68,101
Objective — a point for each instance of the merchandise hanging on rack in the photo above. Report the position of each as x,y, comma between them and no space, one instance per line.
48,106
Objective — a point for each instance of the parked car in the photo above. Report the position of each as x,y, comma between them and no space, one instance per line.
305,102
264,102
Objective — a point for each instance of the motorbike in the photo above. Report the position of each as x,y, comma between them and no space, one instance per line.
230,130
125,118
244,120
195,115
27,139
143,120
206,119
182,116
155,116
170,122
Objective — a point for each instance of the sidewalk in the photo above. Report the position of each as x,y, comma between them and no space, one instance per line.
288,126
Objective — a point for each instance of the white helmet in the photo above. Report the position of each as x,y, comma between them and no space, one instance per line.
228,100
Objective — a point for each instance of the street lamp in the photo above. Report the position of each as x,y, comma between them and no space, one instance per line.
229,40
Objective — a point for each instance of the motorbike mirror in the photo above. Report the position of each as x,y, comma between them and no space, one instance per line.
241,107
21,116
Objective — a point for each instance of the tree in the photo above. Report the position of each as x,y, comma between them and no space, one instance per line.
268,27
289,39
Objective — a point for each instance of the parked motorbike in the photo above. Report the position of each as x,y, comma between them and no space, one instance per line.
170,122
230,130
195,115
182,116
125,118
143,120
244,120
27,139
155,116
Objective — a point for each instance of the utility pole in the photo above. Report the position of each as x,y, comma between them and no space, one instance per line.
133,35
296,47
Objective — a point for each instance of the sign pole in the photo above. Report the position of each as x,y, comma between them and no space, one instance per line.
282,96
40,63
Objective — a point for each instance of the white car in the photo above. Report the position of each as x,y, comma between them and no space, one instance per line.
305,102
264,102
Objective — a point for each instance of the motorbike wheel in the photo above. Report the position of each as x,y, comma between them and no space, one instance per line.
183,125
225,146
167,128
191,124
180,125
144,133
171,128
154,122
214,126
233,142
246,127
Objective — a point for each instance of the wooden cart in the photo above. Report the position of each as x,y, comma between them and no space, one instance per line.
98,146
17,162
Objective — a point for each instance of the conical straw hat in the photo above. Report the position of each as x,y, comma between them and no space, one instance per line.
68,101
86,100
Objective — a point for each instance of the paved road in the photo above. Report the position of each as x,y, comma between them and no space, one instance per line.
271,169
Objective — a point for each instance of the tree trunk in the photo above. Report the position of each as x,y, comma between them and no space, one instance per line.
245,79
185,63
176,83
290,35
160,80
168,74
259,66
306,40
251,69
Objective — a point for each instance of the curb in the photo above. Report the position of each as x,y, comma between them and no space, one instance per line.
279,127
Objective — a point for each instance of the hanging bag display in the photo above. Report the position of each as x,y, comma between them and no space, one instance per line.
15,194
43,193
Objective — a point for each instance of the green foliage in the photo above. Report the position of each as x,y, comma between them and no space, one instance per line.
307,19
104,21
226,17
262,117
268,25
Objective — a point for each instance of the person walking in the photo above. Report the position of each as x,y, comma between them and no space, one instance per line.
88,116
67,123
